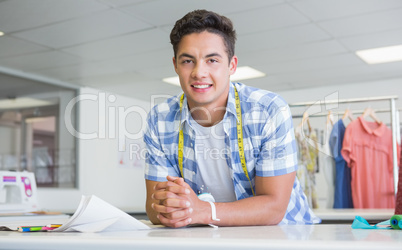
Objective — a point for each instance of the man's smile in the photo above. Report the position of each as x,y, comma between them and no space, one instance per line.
201,86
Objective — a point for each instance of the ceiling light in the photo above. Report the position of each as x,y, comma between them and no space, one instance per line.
172,80
246,72
1,33
23,102
381,55
242,73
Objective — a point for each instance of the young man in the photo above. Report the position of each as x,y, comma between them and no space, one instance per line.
226,139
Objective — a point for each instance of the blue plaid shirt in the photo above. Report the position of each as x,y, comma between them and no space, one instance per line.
268,138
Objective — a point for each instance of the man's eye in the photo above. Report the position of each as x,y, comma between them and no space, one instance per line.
186,61
213,60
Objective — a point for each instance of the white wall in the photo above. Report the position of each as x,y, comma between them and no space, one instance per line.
357,90
99,170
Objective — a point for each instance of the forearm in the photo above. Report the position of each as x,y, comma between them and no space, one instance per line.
258,210
267,208
179,205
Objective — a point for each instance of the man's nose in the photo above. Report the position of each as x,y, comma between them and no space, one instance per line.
199,71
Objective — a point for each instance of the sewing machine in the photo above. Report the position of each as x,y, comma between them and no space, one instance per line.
18,192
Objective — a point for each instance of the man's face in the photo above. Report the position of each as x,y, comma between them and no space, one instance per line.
204,69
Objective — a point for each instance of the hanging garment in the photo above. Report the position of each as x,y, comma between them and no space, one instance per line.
398,206
327,163
307,162
343,193
367,149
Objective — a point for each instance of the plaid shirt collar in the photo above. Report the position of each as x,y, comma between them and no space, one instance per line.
230,107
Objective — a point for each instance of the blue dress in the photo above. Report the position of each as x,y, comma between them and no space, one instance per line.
343,177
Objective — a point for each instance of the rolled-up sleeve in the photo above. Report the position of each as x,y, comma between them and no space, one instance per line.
278,153
157,165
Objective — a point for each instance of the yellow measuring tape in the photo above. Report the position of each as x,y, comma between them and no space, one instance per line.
181,144
239,139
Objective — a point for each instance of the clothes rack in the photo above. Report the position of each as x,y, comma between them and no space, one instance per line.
393,114
342,112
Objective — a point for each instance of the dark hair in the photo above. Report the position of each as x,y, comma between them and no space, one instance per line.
198,21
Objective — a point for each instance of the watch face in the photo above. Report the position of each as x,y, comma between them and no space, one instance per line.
206,197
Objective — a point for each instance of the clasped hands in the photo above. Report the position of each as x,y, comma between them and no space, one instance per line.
177,205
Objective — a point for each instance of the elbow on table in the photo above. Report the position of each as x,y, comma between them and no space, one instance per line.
153,219
274,216
273,220
151,214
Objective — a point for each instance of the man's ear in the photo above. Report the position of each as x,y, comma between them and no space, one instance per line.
233,65
174,63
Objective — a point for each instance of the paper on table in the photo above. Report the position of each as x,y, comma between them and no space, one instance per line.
95,215
95,226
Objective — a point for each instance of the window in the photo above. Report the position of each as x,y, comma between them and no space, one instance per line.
33,135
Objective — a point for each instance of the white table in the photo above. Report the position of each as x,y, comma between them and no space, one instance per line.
333,236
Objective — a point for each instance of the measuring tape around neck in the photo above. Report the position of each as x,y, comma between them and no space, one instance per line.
239,127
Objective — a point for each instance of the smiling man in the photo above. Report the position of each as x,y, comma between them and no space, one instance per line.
221,153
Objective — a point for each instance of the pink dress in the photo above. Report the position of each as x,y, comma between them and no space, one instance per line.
367,149
398,207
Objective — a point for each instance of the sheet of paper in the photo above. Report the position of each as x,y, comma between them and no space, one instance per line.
95,215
